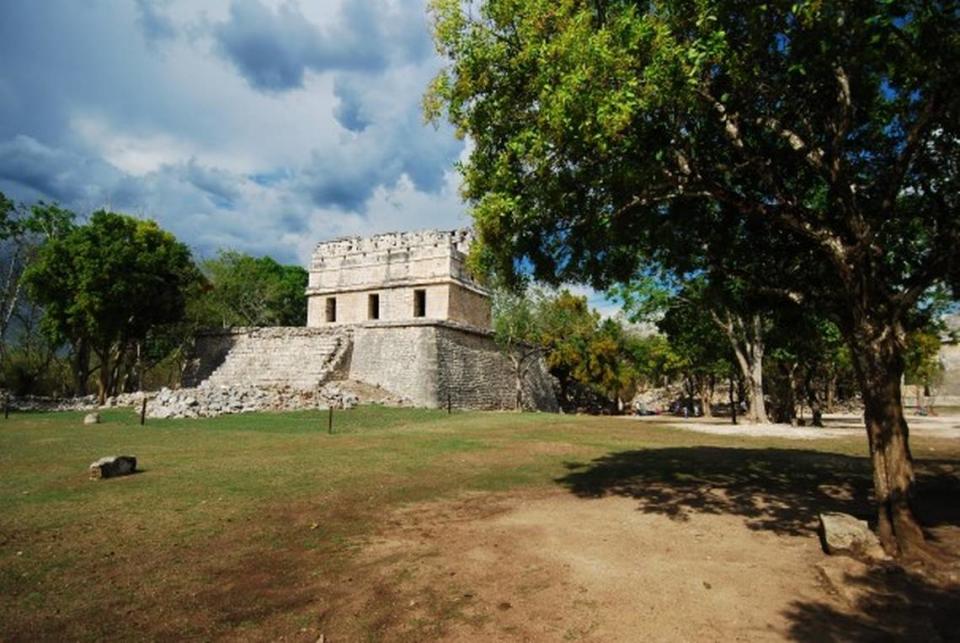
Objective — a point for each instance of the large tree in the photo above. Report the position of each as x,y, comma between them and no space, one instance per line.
105,285
601,128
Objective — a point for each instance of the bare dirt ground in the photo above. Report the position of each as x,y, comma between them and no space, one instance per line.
835,426
549,566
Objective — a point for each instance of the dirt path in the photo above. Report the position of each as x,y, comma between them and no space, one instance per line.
835,426
553,567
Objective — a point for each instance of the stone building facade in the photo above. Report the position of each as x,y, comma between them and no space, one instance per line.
395,277
396,311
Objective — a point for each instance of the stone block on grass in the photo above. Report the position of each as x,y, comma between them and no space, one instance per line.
113,466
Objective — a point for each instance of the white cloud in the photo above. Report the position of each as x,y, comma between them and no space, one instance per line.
143,107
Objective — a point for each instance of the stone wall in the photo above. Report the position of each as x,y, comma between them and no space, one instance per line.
469,307
359,262
399,358
393,266
395,304
431,362
475,374
426,362
950,357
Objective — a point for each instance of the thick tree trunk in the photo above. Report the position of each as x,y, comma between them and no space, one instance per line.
831,394
747,343
704,395
103,380
706,398
879,367
815,409
81,367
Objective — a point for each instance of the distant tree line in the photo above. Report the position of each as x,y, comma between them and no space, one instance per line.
112,304
715,352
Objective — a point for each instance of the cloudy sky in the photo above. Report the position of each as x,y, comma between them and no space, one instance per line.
262,125
258,125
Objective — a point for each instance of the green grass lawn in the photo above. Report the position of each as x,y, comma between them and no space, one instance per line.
228,512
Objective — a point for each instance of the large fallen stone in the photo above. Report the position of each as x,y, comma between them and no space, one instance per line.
91,418
842,534
113,466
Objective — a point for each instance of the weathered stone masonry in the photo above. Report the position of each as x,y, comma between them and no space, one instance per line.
396,311
429,363
395,277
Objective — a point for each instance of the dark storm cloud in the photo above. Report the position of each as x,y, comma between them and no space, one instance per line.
388,141
208,138
274,49
221,186
45,172
154,25
351,111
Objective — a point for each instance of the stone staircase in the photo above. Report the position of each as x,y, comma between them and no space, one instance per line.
267,357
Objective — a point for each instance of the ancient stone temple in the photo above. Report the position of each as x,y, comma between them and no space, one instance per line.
395,277
398,312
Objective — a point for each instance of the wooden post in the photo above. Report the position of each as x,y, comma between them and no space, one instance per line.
6,406
449,402
330,419
143,411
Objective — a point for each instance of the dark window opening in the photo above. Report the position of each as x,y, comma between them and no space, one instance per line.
373,307
331,309
419,303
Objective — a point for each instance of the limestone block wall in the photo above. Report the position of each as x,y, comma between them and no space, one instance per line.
389,258
401,359
395,304
469,307
950,357
477,375
394,266
427,362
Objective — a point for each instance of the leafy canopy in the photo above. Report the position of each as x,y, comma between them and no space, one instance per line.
612,133
254,291
111,281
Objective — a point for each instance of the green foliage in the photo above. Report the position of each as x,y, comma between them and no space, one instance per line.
253,291
922,358
515,319
592,359
584,352
107,284
705,135
699,347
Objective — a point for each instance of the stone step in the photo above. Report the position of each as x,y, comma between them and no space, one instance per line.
302,361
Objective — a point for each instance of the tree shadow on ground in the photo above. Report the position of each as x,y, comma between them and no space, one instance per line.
881,603
783,490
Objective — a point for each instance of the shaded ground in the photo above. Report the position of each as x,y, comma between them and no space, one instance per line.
413,525
686,544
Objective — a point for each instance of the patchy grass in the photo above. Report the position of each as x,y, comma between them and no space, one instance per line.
248,524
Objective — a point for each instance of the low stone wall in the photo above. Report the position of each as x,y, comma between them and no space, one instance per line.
430,363
433,363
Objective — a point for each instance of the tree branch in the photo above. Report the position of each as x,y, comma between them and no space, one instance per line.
911,144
